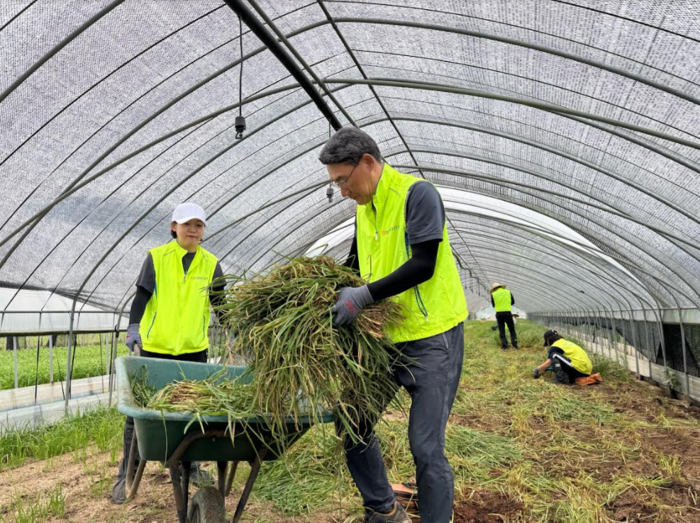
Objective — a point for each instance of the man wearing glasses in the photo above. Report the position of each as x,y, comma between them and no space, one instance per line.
401,248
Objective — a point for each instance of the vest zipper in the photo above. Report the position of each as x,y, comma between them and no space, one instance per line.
421,305
419,301
148,334
376,232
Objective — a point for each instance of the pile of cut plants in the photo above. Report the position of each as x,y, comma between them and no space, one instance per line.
299,363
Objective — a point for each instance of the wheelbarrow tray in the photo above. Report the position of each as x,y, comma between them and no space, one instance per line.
159,433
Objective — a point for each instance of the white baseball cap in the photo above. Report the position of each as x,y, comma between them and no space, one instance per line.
189,211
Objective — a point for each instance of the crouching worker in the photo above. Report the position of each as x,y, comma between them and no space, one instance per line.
569,362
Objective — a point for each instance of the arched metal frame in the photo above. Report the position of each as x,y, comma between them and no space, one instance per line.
358,98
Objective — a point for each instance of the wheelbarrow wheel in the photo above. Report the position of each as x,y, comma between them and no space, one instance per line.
207,506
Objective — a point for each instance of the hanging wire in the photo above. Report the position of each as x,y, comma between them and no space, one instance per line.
240,68
329,190
240,119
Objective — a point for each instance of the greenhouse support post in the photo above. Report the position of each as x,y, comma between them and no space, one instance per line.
69,353
635,344
659,321
14,358
685,356
113,351
616,345
107,366
102,367
646,333
51,358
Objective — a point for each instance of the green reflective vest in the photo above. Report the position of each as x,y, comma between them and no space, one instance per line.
176,320
501,299
578,357
432,307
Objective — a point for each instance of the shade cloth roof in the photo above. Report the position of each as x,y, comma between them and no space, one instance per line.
582,112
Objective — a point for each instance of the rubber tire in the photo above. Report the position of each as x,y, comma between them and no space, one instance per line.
207,506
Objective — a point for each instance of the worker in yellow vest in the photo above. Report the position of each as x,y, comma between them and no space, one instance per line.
502,300
569,362
402,249
170,313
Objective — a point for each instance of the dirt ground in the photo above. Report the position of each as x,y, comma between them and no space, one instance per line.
86,487
483,506
671,435
665,437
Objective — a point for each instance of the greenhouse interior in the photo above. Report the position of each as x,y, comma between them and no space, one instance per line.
279,148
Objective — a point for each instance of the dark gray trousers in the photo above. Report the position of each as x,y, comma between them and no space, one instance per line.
430,373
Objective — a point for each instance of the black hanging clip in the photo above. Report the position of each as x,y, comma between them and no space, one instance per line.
239,126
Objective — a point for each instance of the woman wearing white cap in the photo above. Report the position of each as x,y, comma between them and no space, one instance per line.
170,313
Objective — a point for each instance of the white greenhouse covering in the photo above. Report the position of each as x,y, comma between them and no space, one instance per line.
584,113
29,311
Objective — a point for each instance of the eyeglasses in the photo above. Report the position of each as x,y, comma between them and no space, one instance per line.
342,183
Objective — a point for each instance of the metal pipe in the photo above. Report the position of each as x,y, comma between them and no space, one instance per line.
603,332
608,207
79,182
432,86
282,38
51,358
102,369
54,50
649,344
662,338
683,347
69,367
685,355
634,342
567,248
14,357
527,45
249,19
558,255
614,333
552,237
509,183
113,350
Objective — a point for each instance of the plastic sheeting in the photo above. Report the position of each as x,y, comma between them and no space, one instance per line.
584,112
31,311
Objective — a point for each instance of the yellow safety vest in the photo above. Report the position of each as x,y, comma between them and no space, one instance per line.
432,307
578,357
176,320
502,299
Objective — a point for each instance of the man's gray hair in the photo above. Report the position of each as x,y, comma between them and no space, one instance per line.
348,145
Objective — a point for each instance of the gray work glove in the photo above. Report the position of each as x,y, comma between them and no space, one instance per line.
536,373
132,336
351,300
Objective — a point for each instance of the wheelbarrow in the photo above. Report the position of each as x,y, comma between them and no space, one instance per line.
166,437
